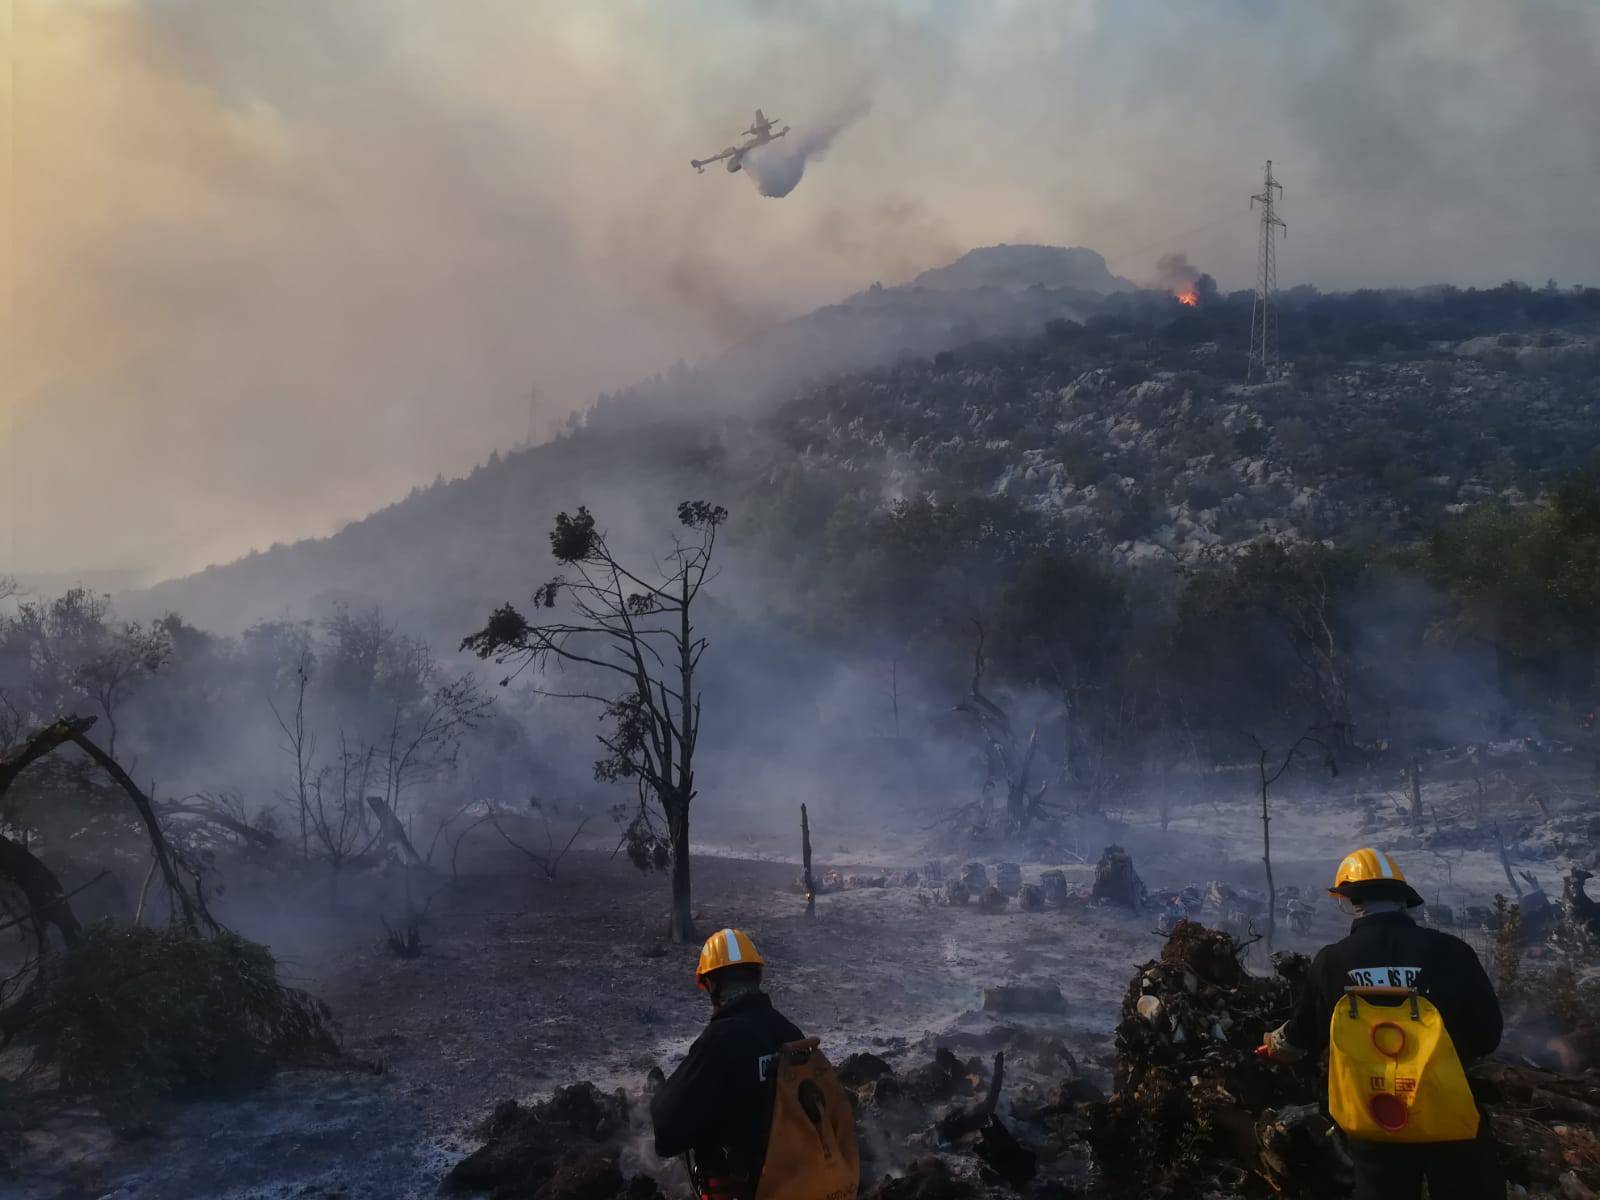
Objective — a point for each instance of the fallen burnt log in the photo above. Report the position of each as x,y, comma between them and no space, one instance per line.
1004,1155
969,1119
208,811
1547,1125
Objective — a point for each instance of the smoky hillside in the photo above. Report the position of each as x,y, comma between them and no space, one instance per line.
1149,559
1057,589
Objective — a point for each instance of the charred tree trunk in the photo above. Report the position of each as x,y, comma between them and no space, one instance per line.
1022,802
192,905
1267,780
805,859
680,921
41,889
393,831
1266,857
1505,861
38,884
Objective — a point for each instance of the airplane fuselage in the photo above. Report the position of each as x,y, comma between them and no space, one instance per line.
734,155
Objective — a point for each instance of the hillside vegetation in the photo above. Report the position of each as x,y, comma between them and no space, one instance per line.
1389,539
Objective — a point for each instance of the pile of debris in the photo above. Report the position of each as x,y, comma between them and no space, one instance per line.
837,881
1195,1112
956,1128
1548,1126
568,1147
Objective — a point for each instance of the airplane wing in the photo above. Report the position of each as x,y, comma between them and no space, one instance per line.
700,164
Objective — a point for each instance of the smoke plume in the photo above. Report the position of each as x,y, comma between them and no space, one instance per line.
776,168
1175,272
348,237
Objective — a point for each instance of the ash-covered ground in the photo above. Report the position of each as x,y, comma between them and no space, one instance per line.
525,984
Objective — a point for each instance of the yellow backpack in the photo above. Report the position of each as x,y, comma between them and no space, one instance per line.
1393,1072
811,1148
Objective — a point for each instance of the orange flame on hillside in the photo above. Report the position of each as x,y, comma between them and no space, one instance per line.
1189,297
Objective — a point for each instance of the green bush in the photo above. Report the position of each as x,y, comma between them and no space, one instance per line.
149,1011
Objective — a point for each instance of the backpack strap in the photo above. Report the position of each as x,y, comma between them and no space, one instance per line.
799,1052
1396,993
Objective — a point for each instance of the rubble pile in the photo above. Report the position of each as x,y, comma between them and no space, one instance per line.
1195,1113
952,1128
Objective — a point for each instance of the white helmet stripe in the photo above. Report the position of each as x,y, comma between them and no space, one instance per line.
1384,864
733,945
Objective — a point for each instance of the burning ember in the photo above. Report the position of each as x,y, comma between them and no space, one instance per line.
1188,297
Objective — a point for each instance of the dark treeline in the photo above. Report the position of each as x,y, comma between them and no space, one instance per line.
1482,631
289,728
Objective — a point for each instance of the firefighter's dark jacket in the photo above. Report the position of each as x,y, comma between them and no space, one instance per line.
718,1102
1391,950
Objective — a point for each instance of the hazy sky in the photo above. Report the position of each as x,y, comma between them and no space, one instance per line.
274,261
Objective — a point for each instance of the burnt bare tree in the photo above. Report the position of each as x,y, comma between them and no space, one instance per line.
301,745
400,722
1267,779
1010,766
1276,619
546,860
635,635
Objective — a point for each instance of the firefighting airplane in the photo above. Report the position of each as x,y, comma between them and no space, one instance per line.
759,134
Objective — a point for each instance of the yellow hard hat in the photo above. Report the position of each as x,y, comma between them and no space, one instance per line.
726,948
1369,866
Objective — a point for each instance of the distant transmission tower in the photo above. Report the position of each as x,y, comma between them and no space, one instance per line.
1264,312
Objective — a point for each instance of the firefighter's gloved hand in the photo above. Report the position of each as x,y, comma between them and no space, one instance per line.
1276,1048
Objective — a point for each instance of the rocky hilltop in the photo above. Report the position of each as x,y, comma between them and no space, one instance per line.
1152,447
1015,268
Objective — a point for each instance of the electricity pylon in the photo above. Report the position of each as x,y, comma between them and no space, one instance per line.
1264,312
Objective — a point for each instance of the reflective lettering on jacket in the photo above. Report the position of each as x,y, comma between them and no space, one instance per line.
1402,977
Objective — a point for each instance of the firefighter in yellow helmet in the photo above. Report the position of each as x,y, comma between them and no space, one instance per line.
717,1105
1393,973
